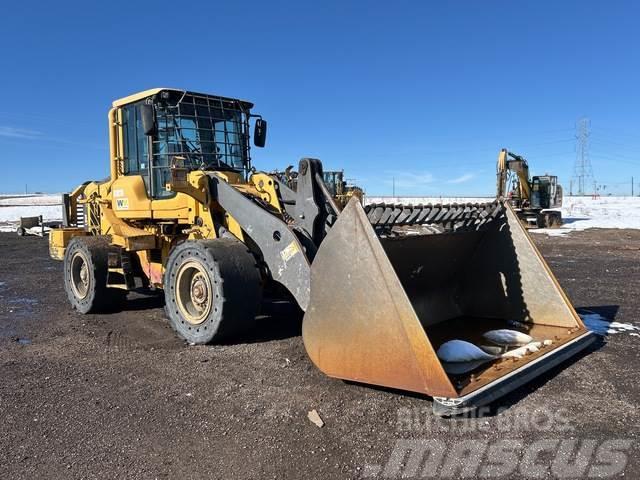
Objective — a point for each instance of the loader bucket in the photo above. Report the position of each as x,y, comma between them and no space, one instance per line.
392,283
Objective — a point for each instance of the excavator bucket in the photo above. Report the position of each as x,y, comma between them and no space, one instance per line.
390,284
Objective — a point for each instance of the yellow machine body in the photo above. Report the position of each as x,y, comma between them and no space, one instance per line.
121,208
383,286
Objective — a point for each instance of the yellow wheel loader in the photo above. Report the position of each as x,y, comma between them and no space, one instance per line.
340,190
383,287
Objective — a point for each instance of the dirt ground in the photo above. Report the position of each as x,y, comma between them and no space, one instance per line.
118,395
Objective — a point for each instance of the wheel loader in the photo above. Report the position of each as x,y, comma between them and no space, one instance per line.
383,287
340,190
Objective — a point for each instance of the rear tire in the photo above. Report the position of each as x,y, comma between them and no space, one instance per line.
85,276
212,290
21,231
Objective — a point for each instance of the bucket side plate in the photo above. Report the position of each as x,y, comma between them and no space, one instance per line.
360,324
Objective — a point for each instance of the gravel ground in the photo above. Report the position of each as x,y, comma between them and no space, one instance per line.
118,395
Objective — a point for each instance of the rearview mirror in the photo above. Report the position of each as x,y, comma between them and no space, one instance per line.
260,133
148,119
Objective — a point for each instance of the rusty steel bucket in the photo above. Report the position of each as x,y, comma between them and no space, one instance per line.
391,283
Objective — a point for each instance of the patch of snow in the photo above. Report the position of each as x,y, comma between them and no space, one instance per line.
582,213
578,213
623,326
602,326
12,207
13,214
20,200
40,231
522,351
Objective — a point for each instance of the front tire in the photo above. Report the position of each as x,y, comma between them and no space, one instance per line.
212,290
85,275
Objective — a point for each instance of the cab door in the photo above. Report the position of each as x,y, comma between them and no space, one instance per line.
165,204
131,191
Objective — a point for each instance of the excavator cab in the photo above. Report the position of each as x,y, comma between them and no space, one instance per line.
546,192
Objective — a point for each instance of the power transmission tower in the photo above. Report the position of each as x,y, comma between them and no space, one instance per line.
582,171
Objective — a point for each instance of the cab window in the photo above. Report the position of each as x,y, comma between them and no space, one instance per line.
136,153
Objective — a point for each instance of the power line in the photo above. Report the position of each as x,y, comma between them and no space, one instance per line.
614,132
600,158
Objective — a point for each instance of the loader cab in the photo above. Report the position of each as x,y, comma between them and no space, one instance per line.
163,126
334,180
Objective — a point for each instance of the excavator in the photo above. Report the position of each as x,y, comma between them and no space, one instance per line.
535,200
383,287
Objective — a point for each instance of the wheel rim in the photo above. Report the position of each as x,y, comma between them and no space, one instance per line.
80,278
194,292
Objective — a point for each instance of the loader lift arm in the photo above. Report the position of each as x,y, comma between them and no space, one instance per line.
281,250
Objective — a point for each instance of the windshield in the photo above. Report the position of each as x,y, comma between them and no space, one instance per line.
333,181
208,132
